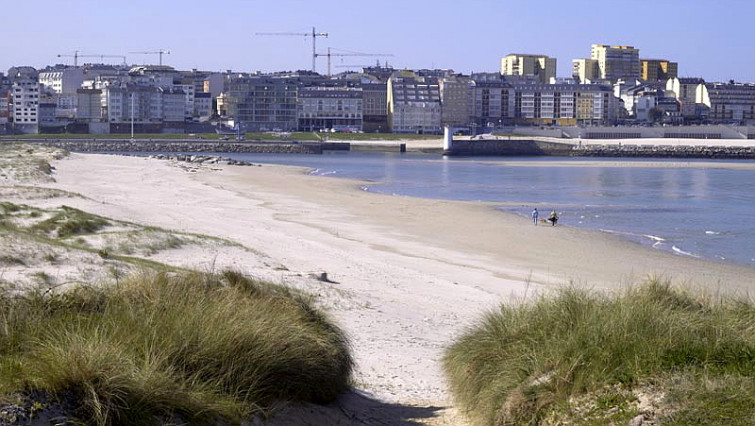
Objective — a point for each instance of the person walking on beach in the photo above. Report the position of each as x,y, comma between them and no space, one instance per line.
553,218
535,214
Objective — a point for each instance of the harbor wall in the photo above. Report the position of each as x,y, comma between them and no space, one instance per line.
533,147
523,147
175,146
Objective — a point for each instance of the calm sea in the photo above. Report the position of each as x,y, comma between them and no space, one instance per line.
700,212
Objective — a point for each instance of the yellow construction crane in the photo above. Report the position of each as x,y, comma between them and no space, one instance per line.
314,34
159,52
348,53
76,55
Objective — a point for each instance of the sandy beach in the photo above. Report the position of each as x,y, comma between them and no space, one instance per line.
405,276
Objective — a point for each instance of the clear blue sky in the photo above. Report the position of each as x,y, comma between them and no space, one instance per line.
712,39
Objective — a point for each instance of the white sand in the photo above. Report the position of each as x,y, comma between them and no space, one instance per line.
410,274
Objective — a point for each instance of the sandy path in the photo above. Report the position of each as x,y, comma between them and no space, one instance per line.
409,274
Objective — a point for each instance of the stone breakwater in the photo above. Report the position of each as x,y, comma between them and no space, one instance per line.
126,145
202,159
665,151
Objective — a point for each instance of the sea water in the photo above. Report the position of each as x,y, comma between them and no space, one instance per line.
690,211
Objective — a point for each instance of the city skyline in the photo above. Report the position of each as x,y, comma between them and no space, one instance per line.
707,39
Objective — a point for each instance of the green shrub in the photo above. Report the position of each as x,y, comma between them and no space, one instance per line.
199,347
519,362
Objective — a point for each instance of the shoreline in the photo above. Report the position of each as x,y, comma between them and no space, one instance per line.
407,275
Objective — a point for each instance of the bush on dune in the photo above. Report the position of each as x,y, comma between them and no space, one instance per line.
521,363
195,346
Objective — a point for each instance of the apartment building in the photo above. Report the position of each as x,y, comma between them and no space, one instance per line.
564,104
203,105
658,69
188,89
25,98
61,79
414,104
455,100
728,102
492,101
89,105
685,92
5,103
584,70
263,102
375,104
541,66
323,107
127,102
615,62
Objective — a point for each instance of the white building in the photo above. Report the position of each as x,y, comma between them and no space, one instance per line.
62,81
189,93
25,106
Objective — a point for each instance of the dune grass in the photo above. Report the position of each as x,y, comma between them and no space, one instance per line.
69,221
528,364
193,347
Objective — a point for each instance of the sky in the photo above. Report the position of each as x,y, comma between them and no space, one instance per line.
708,38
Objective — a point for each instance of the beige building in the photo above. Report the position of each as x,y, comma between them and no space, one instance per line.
585,70
658,69
616,62
541,66
685,91
455,100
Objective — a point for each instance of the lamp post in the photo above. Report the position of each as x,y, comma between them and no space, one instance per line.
132,116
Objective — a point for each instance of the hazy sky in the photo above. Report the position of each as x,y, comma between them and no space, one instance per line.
712,39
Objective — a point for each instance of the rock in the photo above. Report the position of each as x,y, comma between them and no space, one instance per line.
637,421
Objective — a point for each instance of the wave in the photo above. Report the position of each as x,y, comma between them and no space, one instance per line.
657,241
677,250
712,233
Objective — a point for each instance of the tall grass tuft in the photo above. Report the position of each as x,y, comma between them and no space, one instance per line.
521,362
197,347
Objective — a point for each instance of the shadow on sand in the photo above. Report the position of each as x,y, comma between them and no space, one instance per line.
357,408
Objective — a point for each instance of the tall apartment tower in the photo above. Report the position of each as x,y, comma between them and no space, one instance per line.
658,69
616,62
541,66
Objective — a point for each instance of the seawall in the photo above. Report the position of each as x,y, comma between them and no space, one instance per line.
175,146
534,147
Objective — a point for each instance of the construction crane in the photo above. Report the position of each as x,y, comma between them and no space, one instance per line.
348,53
160,52
314,34
76,57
